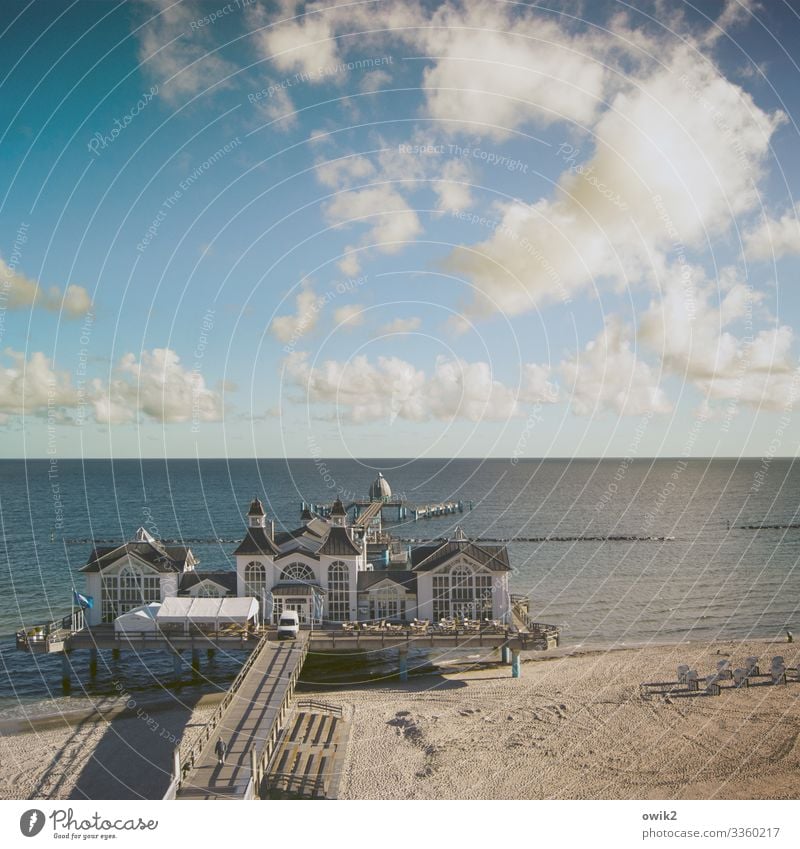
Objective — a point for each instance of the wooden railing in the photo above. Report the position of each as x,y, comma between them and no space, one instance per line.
260,760
52,632
189,749
320,707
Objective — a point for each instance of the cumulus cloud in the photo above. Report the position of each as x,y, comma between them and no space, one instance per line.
498,70
178,57
453,187
392,222
774,238
489,66
33,386
692,327
351,315
607,375
402,325
344,172
21,292
676,158
391,388
159,386
290,328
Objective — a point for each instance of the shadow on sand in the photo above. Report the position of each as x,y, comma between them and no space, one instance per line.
132,758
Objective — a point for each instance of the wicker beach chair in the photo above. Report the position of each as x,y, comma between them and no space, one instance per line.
683,670
740,678
712,685
724,670
751,666
692,681
778,674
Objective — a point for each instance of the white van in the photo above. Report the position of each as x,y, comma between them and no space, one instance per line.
288,625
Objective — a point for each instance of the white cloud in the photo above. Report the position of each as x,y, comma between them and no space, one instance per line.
349,264
453,186
20,292
689,326
33,386
607,375
289,328
344,172
392,222
774,238
495,71
179,57
676,159
279,110
351,315
295,41
402,325
392,388
158,386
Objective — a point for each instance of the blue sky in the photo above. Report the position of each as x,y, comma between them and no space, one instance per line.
398,229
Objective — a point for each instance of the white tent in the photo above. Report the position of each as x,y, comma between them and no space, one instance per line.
174,610
138,620
207,611
241,610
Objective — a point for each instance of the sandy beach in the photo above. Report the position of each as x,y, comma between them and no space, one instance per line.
575,726
113,753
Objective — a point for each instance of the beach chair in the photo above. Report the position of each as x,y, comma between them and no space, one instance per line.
740,678
692,681
712,685
777,662
683,669
751,666
724,670
778,674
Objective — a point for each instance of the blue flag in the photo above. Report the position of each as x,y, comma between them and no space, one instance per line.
82,600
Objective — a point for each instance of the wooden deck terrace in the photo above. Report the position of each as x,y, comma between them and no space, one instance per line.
104,637
363,640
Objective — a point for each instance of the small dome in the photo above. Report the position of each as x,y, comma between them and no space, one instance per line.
256,508
338,508
380,488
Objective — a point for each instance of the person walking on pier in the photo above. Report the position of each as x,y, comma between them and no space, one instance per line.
221,749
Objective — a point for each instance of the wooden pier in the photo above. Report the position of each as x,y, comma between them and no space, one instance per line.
249,721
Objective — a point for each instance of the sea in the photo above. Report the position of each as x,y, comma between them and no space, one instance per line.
613,551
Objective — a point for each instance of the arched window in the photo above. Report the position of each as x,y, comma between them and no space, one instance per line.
131,587
298,572
209,590
338,591
255,579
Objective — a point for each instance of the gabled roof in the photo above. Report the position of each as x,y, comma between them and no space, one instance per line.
257,541
299,551
226,579
338,542
163,558
407,580
427,557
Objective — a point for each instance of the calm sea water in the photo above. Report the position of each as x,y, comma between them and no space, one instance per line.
714,578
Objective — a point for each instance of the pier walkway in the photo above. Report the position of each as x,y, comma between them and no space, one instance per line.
249,725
